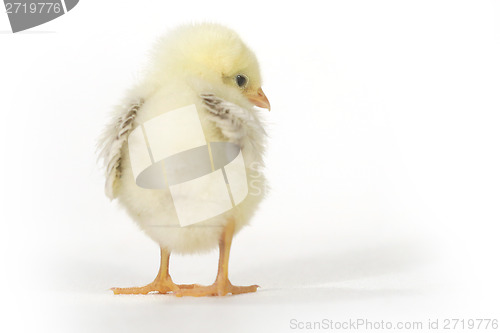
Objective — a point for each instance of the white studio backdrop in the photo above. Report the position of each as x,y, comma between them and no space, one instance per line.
383,162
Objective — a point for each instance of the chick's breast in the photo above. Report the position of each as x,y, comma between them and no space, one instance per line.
154,210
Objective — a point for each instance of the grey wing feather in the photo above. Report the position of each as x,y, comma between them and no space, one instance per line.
234,121
111,143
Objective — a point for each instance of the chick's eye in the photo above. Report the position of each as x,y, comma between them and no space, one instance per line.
241,80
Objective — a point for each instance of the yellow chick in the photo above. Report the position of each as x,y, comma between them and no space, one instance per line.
209,66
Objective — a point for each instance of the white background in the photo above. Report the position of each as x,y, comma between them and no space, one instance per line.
383,160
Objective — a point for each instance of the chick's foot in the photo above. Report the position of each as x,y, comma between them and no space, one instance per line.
219,288
162,286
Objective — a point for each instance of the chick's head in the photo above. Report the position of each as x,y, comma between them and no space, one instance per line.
212,53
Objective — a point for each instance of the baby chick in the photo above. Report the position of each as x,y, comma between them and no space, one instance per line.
209,66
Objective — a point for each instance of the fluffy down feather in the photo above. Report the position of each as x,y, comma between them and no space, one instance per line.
192,65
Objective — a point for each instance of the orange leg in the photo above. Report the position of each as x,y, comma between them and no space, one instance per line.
221,286
162,283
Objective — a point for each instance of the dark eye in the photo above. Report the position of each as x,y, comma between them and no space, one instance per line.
241,80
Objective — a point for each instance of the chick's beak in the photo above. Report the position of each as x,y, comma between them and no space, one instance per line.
259,99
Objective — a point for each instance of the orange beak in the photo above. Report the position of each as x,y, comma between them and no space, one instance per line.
260,99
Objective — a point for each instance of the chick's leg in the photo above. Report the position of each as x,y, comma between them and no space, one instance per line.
221,286
162,283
